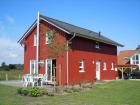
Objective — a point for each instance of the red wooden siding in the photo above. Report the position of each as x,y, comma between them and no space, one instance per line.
81,48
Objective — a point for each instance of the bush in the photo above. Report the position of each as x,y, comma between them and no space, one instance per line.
35,92
25,91
19,90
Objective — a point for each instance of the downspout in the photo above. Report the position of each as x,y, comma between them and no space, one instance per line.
67,58
37,47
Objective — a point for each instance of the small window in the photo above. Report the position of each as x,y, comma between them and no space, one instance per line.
48,38
97,45
81,65
112,66
104,66
35,40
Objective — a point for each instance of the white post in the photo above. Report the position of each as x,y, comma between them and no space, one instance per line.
37,47
122,73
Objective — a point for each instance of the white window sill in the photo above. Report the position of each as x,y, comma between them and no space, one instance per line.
112,69
104,69
81,71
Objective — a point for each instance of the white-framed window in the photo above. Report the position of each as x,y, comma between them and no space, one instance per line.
81,65
35,39
112,66
135,59
48,38
32,66
97,45
104,66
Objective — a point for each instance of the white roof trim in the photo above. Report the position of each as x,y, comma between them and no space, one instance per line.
55,25
35,25
27,32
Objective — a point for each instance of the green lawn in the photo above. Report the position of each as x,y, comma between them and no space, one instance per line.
11,74
112,93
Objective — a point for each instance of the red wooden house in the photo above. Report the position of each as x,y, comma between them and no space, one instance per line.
91,55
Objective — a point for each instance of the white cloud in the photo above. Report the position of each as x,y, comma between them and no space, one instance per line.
10,51
10,19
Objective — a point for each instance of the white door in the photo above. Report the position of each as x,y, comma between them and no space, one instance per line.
98,70
49,70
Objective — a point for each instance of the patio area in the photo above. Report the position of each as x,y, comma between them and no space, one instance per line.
19,83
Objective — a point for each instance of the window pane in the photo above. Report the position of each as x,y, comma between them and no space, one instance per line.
137,57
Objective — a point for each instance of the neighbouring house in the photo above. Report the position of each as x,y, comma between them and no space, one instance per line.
129,60
88,56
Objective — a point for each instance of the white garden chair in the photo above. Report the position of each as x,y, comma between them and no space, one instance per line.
45,79
25,80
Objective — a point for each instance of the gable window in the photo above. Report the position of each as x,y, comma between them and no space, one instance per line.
135,59
35,39
48,37
112,66
97,45
104,66
81,65
32,66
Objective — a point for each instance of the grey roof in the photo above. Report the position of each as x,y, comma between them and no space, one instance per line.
82,32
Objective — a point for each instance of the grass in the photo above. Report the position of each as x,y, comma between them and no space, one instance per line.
112,93
12,74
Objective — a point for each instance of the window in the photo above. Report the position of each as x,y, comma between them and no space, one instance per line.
35,40
48,38
112,66
104,66
32,66
97,45
81,65
135,59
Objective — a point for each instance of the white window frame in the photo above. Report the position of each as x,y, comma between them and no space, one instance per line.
97,45
34,63
81,65
35,40
112,66
47,40
104,66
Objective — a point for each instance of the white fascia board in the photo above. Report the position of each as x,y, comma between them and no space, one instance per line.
55,25
30,29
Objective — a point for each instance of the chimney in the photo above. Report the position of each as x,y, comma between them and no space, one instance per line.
138,47
99,33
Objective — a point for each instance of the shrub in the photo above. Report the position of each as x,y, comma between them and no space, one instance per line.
19,90
24,91
35,92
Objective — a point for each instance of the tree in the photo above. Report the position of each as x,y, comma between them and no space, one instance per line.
3,65
12,66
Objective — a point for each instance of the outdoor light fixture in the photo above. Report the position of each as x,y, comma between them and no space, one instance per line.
41,63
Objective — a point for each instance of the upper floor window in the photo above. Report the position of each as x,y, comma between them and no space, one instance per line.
97,45
112,66
135,59
104,66
35,39
81,65
49,36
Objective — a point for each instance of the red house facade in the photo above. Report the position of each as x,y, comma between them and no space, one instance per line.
91,56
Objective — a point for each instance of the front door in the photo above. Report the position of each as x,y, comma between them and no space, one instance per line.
51,70
98,70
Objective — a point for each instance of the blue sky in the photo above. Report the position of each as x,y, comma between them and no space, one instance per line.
116,19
